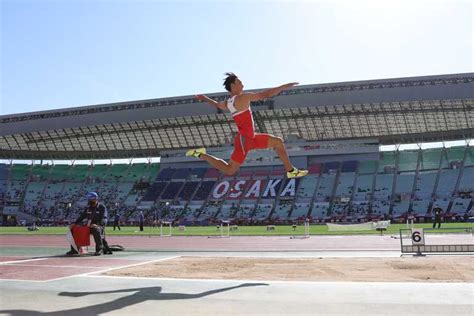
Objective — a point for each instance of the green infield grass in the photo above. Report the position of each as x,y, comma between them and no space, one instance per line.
286,230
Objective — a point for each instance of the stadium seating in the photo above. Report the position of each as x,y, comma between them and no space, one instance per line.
400,208
320,210
430,159
198,173
98,171
188,190
117,172
447,182
300,210
171,190
71,191
59,172
455,153
460,206
363,188
420,207
467,181
227,211
307,186
380,207
325,187
203,191
282,209
424,184
382,194
331,167
262,210
3,181
246,209
33,194
181,173
278,172
407,160
442,203
359,210
123,189
40,172
405,183
16,191
387,158
367,166
209,210
20,172
349,166
3,171
470,157
339,209
154,191
345,184
165,174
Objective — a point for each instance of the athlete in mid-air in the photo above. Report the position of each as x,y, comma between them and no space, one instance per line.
246,139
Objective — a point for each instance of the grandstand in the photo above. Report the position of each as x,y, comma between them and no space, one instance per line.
334,130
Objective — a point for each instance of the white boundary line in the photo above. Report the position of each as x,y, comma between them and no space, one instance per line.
81,274
21,261
274,281
110,269
50,266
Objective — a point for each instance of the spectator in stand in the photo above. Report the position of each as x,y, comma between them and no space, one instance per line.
437,219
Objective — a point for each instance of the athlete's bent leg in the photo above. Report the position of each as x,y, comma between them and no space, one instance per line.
277,144
228,168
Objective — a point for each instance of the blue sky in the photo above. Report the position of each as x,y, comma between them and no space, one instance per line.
57,54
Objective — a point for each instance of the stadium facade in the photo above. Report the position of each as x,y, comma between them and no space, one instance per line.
334,130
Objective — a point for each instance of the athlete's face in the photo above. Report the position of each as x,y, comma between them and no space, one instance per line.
237,86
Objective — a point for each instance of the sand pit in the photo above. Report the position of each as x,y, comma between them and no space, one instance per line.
406,269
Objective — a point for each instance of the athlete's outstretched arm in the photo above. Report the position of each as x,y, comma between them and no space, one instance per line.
268,93
205,98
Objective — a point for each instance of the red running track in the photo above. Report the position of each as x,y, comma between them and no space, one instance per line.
234,243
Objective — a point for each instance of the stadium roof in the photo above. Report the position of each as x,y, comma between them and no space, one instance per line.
394,111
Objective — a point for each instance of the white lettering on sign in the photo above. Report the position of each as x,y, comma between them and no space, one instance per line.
290,188
220,190
271,187
255,189
236,191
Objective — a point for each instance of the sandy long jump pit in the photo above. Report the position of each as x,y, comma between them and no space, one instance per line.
407,269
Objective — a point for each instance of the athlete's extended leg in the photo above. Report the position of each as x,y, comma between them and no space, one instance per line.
227,168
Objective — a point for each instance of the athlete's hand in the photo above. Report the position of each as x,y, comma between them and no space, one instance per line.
200,97
292,84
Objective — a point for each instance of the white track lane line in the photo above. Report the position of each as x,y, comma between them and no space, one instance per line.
21,261
110,269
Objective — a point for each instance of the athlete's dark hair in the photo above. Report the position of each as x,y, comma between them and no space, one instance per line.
230,79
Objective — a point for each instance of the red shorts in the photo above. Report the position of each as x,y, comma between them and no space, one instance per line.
242,146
